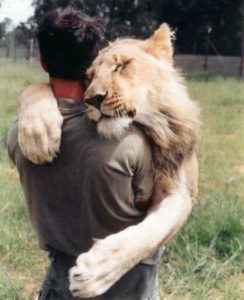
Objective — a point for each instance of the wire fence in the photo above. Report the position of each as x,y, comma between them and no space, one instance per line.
222,65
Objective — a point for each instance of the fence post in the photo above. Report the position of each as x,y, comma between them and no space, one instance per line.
31,50
14,45
7,45
205,64
241,70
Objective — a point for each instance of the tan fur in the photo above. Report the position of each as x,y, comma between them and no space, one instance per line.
39,126
138,77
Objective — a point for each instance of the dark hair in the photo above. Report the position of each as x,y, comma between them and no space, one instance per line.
69,40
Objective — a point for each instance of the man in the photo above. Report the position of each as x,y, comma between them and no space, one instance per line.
94,188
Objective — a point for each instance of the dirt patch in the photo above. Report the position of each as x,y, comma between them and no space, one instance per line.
166,296
30,285
238,280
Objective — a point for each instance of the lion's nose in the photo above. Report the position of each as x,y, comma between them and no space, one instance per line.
96,100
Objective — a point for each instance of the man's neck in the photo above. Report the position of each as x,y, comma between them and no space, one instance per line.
68,89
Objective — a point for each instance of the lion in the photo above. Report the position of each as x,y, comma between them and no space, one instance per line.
131,83
134,82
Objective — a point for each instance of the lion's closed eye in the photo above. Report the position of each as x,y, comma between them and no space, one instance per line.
120,66
90,74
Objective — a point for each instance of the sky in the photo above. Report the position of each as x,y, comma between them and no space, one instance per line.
17,10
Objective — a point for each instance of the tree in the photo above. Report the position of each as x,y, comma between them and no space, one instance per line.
6,35
25,35
242,39
43,6
193,18
4,27
121,17
190,18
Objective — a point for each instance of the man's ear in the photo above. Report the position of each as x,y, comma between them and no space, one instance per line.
160,43
43,64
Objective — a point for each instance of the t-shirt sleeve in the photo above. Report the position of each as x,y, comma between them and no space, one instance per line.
12,141
143,178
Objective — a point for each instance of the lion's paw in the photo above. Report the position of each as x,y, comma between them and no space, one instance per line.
103,265
39,132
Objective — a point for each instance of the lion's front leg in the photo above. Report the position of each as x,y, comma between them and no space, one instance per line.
109,259
39,123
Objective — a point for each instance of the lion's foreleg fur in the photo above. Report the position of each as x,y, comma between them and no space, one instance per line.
164,219
109,259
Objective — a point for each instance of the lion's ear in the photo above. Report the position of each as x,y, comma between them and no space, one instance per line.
160,43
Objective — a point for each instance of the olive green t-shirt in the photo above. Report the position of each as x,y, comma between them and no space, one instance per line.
92,189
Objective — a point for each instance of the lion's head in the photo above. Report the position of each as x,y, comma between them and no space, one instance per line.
122,76
134,81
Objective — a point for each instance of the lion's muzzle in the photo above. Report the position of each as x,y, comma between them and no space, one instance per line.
96,100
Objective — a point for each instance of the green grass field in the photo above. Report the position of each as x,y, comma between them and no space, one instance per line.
206,259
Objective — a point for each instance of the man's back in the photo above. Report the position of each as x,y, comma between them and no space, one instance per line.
92,188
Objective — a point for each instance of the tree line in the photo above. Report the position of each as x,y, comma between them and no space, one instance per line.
201,26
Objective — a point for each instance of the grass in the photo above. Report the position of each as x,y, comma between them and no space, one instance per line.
206,259
21,264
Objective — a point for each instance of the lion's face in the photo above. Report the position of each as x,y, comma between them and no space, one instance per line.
117,85
121,77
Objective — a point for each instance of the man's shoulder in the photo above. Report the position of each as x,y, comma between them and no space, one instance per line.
137,138
134,146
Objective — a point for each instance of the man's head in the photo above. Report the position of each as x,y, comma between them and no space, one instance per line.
69,40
